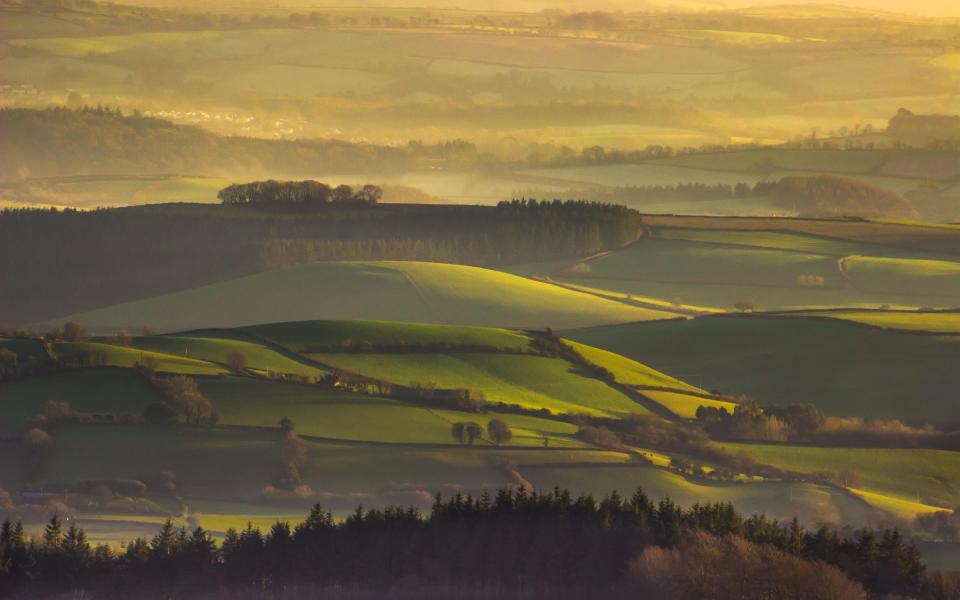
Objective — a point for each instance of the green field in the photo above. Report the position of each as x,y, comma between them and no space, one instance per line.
530,381
681,261
843,368
121,356
929,477
704,267
338,415
98,391
218,346
941,322
420,292
352,336
812,503
375,450
932,277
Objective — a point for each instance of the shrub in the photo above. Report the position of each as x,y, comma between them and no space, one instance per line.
499,432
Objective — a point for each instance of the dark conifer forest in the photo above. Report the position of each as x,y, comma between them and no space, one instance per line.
495,542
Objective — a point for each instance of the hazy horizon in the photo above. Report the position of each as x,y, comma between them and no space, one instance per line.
923,8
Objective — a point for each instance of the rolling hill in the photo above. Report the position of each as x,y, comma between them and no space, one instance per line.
398,291
715,263
371,405
844,368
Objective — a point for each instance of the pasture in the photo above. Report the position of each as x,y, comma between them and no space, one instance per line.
932,322
861,371
110,390
530,381
811,503
925,477
356,417
775,264
418,292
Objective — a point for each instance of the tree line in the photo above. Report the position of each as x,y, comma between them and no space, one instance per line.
298,193
809,195
511,540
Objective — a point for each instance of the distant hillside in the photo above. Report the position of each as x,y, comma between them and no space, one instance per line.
399,291
83,260
843,368
909,128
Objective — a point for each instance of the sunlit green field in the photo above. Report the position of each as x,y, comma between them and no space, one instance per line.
530,381
360,335
337,415
943,322
813,504
774,269
419,292
919,476
843,368
219,347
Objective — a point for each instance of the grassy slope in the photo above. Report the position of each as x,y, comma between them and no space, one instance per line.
783,240
100,391
932,277
920,476
945,322
530,381
339,415
696,262
121,356
718,267
630,372
812,503
421,292
843,368
356,334
218,346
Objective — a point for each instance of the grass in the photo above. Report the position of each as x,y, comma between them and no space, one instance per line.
778,265
783,500
673,304
107,390
942,322
214,346
916,237
234,464
904,509
685,405
628,371
339,415
668,260
122,356
418,292
530,381
25,349
931,277
858,372
917,476
355,335
780,240
717,296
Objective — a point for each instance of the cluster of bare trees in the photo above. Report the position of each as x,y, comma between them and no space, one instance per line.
293,457
183,403
466,433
